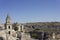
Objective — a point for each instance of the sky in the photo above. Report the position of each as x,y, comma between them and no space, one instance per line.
24,11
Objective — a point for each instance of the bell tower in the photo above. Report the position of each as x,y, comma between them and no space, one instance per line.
8,24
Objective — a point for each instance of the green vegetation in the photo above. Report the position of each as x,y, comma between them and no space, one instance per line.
15,26
34,35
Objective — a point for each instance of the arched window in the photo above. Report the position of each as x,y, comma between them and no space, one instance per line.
9,27
9,32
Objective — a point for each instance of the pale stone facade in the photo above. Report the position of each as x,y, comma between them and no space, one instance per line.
7,31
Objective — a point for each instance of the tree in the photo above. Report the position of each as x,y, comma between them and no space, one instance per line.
15,26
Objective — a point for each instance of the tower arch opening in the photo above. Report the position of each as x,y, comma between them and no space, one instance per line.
9,27
9,32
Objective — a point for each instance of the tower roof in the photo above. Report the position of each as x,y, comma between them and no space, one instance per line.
8,17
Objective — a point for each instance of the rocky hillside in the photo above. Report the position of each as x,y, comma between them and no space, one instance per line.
43,26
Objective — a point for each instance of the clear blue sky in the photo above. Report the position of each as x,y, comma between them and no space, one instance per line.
30,10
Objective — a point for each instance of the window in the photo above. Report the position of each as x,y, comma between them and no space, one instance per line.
9,27
9,32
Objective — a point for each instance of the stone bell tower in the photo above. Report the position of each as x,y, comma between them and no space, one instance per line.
8,25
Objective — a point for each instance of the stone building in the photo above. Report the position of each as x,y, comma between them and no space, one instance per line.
7,31
17,31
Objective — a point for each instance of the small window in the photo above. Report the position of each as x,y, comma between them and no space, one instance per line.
9,27
9,32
